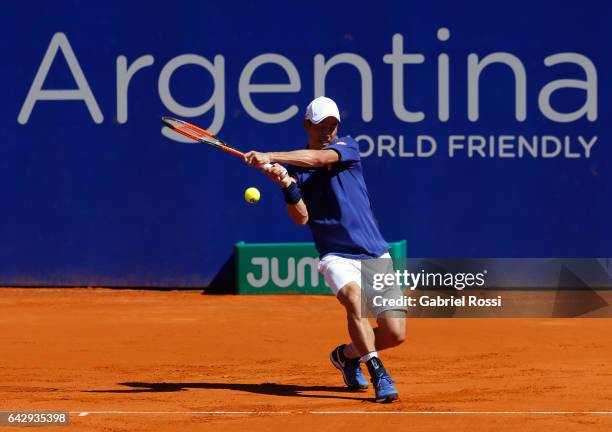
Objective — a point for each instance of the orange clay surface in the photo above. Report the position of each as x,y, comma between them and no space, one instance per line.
183,361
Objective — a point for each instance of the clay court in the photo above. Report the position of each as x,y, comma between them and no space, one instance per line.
180,360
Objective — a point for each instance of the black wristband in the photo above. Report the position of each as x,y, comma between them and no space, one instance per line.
292,194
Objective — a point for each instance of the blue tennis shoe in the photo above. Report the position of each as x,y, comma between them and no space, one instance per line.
350,368
383,386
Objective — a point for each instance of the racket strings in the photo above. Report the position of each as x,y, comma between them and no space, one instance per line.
198,134
192,131
197,130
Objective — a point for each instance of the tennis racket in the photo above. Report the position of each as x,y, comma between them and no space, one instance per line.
201,135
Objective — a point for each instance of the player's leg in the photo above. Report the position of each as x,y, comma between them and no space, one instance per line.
360,329
391,320
391,330
342,276
362,337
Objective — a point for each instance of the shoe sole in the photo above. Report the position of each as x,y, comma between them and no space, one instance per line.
356,387
389,398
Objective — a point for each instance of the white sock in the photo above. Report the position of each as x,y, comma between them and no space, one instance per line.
364,358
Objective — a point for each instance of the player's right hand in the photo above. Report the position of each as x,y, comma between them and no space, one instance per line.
256,159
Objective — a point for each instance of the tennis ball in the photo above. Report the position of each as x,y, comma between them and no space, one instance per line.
252,195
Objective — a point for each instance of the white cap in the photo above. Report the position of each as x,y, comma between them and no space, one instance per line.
321,108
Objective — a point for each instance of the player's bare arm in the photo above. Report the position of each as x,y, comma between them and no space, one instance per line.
303,158
298,211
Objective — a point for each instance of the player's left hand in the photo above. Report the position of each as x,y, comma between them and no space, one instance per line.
256,159
278,174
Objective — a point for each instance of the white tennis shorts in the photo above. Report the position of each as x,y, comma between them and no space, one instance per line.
338,271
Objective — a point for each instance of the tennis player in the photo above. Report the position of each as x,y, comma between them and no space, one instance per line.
324,189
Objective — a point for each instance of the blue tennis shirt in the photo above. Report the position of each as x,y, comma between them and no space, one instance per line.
339,211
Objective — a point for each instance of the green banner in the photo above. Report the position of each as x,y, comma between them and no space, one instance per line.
286,268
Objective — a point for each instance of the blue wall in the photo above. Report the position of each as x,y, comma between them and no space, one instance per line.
118,203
